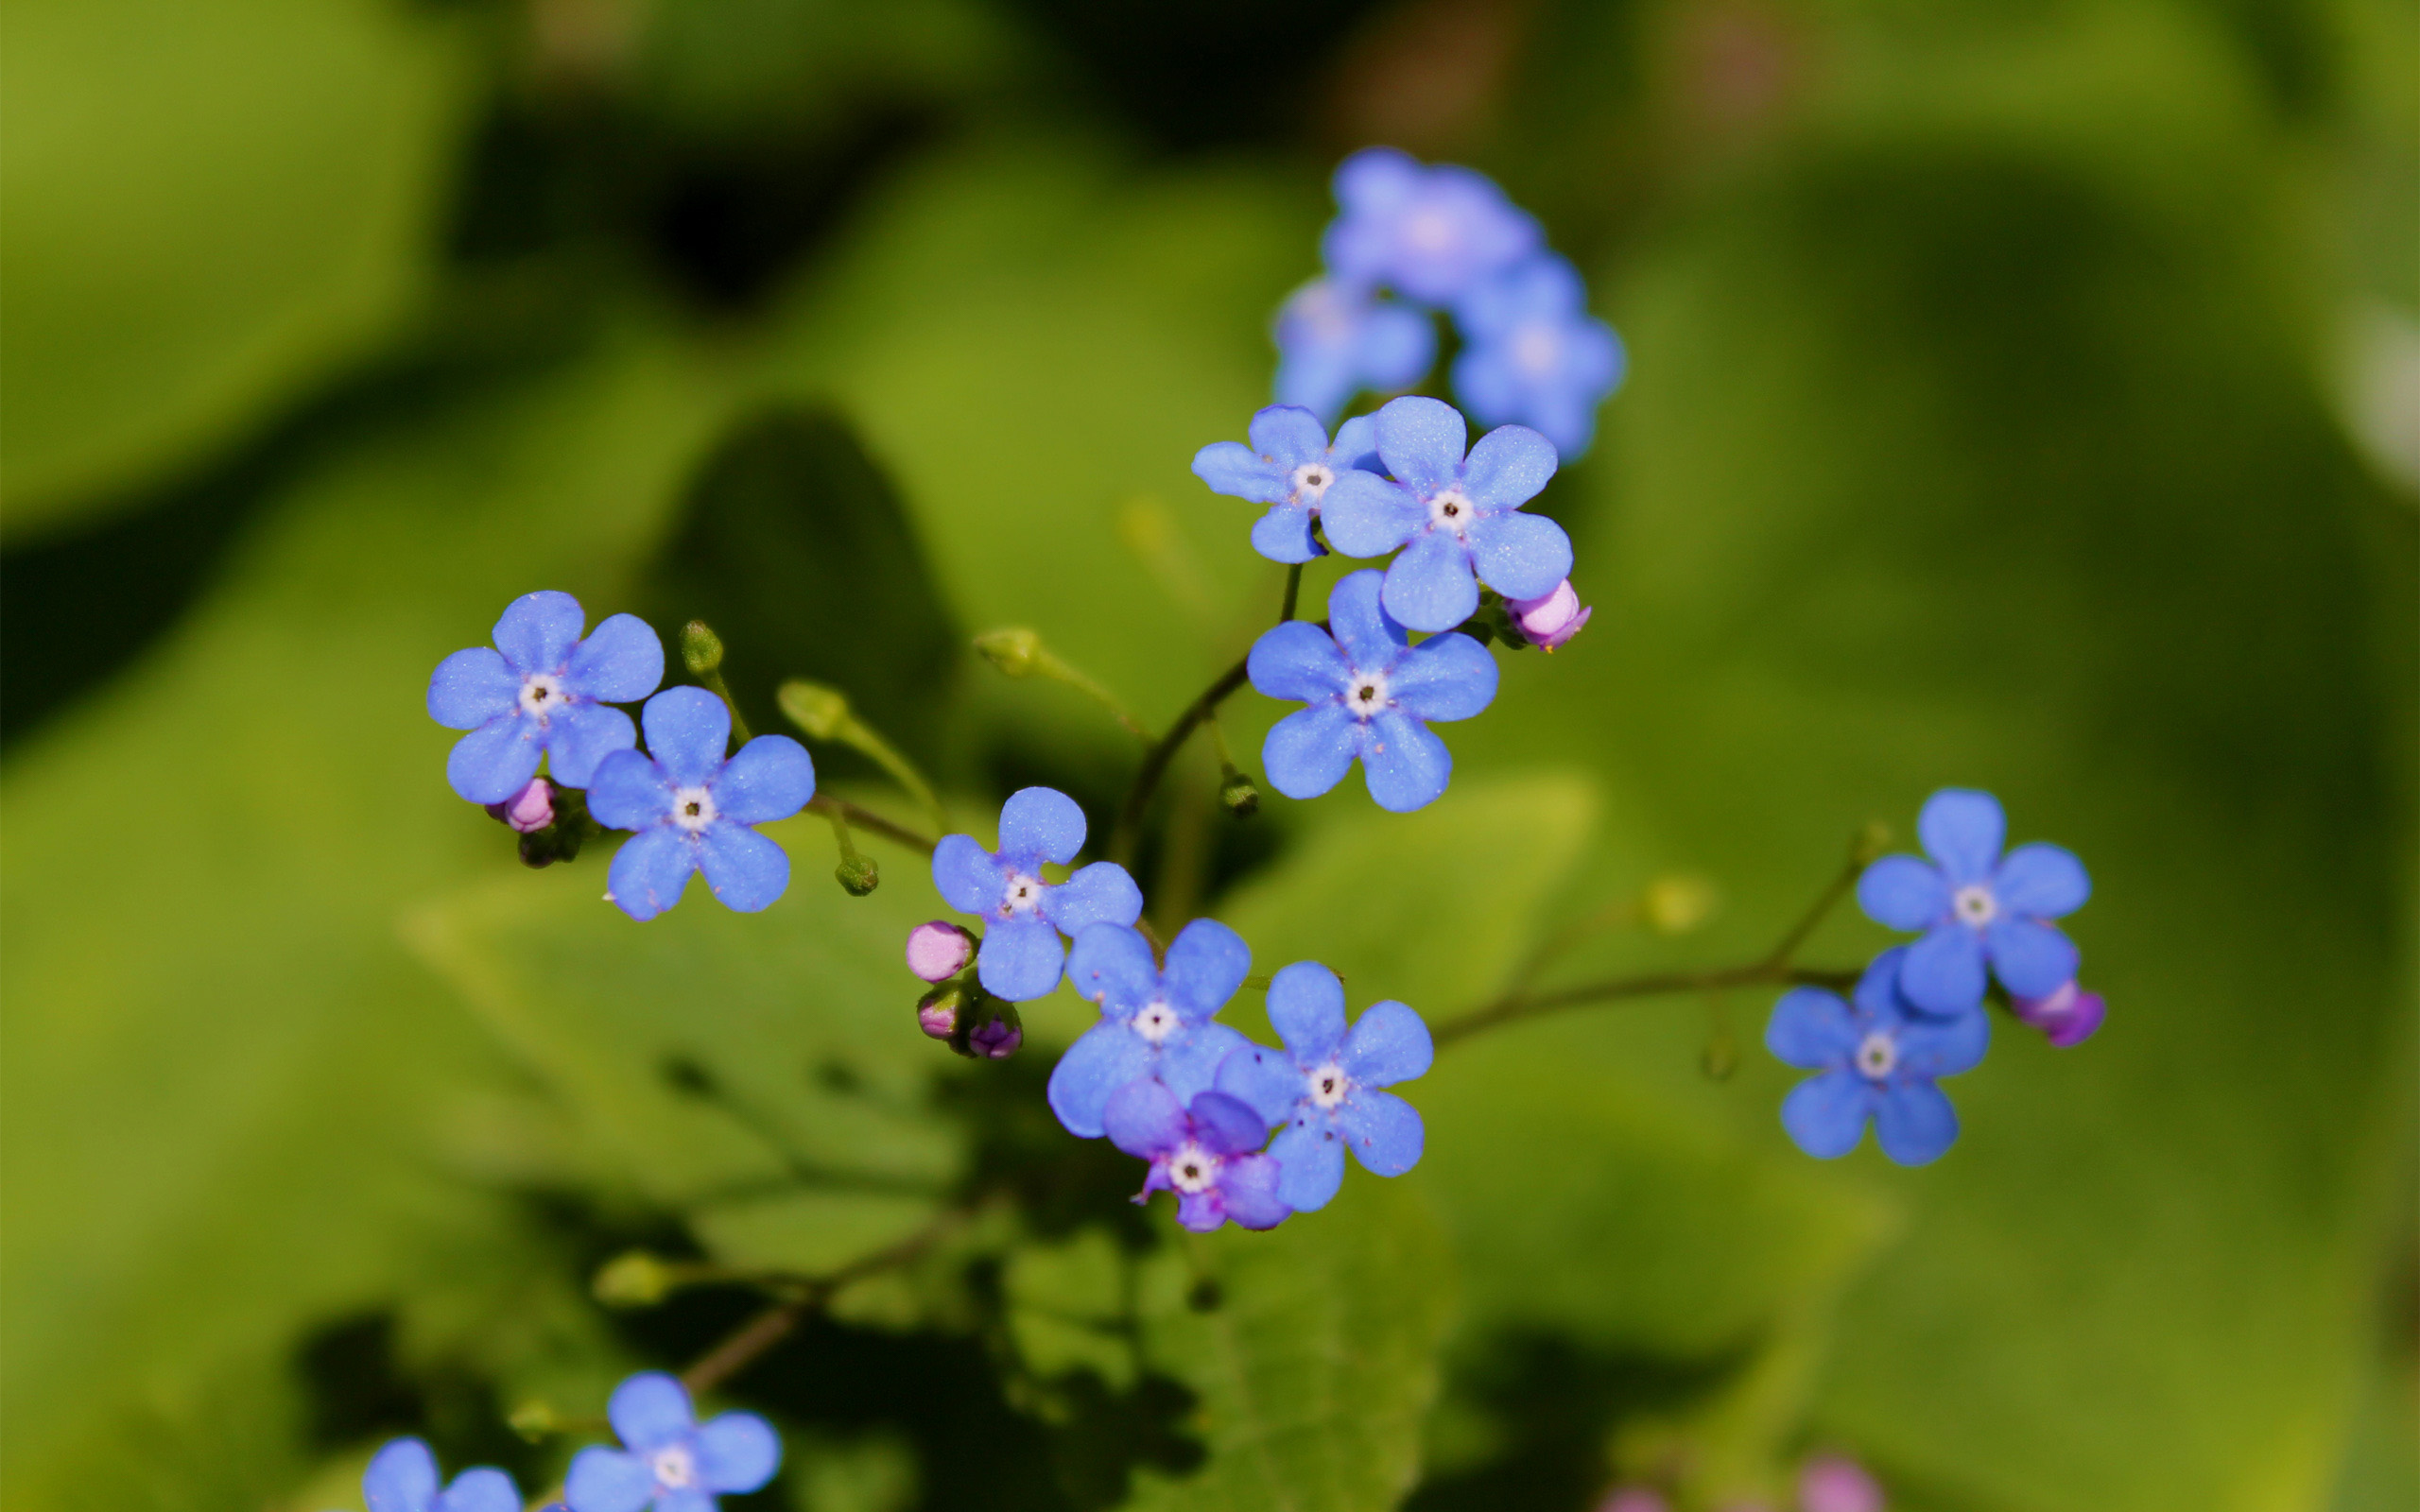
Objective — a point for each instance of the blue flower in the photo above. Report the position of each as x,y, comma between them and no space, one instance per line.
541,690
693,810
1287,467
403,1478
1532,355
1455,517
1154,1020
1323,1086
1207,1153
1370,695
1023,915
1878,1057
1336,338
1975,906
669,1457
1430,233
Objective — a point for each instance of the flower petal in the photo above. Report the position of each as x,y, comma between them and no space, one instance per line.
1944,1047
1104,1057
483,1489
472,687
1914,1123
1101,893
1811,1029
579,735
1962,830
1877,994
1021,958
607,1480
1390,1043
2031,959
1320,378
1366,515
737,1452
746,870
537,631
1296,661
1405,765
1944,972
1189,1061
1445,677
1144,1119
627,792
1290,433
2042,881
402,1477
1040,824
1355,445
1284,534
1308,751
1226,1125
1385,1132
1371,641
1249,1187
1825,1115
1310,1164
1207,962
1429,587
968,877
1520,555
771,778
495,760
1422,440
1509,467
1267,1079
649,1409
621,662
649,870
1238,472
1901,893
1395,346
689,732
1306,1008
1112,965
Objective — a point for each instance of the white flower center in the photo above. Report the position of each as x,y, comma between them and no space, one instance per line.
1878,1056
1023,897
541,693
1310,482
1535,349
1325,310
675,1468
1192,1168
1452,511
1155,1021
1975,904
692,808
1366,694
1328,1085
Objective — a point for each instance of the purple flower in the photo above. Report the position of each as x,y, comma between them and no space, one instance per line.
1879,1058
693,810
1323,1086
1154,1020
1975,906
1834,1483
1458,518
1533,356
403,1478
939,950
2067,1016
1548,622
542,691
668,1457
1289,467
1334,339
1023,915
1430,233
1208,1154
1370,695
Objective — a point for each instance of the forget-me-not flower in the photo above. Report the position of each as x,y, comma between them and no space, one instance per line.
1207,1152
1976,905
1533,356
540,690
1024,916
1154,1020
1287,467
1453,516
668,1458
402,1477
1336,338
1429,233
1325,1085
693,810
1879,1057
1370,695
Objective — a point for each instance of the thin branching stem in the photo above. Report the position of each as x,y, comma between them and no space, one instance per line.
867,820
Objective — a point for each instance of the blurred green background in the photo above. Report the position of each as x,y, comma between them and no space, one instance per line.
2024,395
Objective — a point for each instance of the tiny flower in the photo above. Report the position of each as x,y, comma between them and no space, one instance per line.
939,950
1154,1020
998,1036
1323,1086
1532,355
403,1478
1458,518
1336,340
2067,1016
1431,233
1975,906
1548,622
541,690
1834,1483
1207,1153
1879,1057
668,1458
528,811
693,810
1287,467
1023,915
1369,695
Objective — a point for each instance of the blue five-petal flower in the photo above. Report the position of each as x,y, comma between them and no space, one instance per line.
1336,338
669,1457
1976,906
1206,1151
1458,518
1289,467
1879,1057
693,810
1154,1020
1370,695
1024,916
403,1478
541,690
1432,233
1532,355
1325,1085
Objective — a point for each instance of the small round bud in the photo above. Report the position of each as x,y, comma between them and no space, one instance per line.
1237,793
533,1420
1833,1483
530,809
936,1011
1550,619
1015,652
817,709
1676,904
997,1037
939,950
1870,843
701,648
858,875
2068,1015
635,1279
1721,1057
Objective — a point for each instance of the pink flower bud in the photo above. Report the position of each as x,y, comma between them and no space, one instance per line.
1633,1499
2067,1016
937,1013
530,809
938,951
1833,1483
1551,620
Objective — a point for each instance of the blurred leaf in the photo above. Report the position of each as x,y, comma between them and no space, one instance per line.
208,207
776,66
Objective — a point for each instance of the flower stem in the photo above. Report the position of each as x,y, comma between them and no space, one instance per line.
1155,763
1294,591
867,820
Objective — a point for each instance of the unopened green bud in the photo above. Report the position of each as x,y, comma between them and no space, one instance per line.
1721,1054
1870,842
701,648
1015,652
635,1279
1676,904
1237,793
817,709
858,875
533,1420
